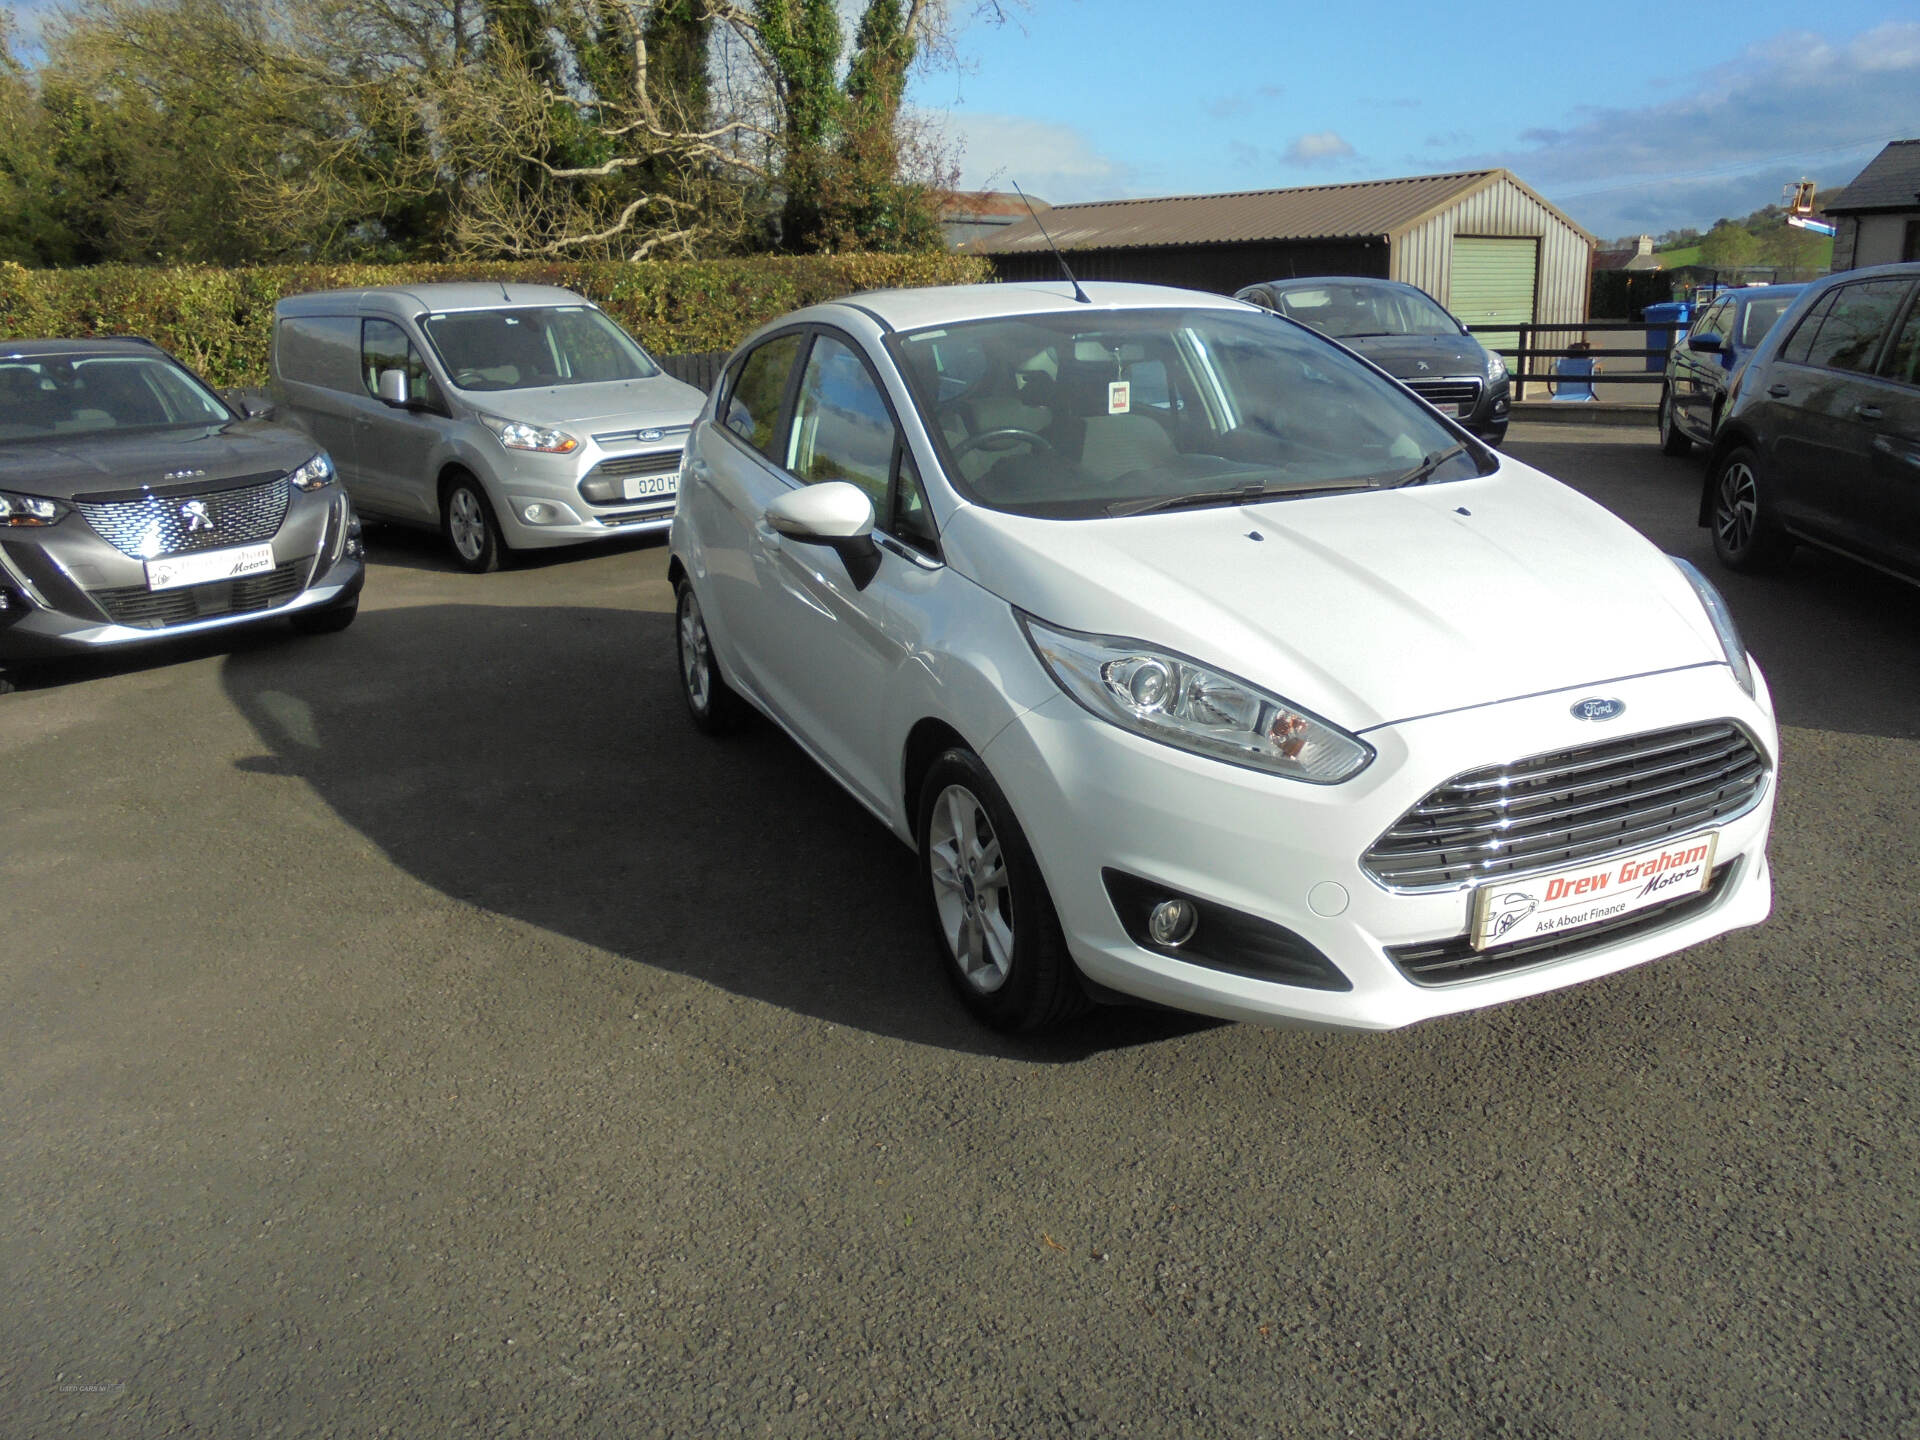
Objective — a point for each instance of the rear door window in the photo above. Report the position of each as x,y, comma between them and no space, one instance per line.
758,389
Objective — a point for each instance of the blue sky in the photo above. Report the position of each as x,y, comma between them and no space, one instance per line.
1103,99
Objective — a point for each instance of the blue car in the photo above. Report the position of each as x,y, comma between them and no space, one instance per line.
1700,367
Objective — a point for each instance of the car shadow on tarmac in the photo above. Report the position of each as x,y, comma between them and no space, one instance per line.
538,763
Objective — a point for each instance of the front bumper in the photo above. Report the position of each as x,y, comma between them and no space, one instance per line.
1095,799
603,491
70,592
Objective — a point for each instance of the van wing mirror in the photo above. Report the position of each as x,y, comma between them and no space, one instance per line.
393,388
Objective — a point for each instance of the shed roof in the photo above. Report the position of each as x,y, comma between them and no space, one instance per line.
1370,209
1891,181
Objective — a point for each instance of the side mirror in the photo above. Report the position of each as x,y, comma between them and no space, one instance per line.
251,404
835,514
393,388
1705,344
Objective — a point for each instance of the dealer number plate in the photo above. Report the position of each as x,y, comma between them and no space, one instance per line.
208,565
646,487
1508,911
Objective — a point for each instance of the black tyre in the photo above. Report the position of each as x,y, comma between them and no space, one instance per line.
467,522
1745,535
714,708
330,621
991,914
1672,440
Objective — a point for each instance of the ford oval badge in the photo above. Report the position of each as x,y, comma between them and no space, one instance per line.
1597,709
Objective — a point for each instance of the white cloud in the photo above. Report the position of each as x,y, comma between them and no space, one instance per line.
1054,162
1791,104
1323,147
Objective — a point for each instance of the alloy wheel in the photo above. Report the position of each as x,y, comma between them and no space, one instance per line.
971,893
696,654
467,524
1739,508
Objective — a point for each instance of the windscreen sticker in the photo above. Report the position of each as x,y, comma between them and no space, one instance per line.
1118,402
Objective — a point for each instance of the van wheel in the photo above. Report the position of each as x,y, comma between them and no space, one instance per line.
466,519
1745,536
991,914
1672,440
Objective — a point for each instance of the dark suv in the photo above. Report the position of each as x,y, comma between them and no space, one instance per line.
1408,334
136,504
1821,437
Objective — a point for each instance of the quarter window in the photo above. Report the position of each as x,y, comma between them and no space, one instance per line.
758,388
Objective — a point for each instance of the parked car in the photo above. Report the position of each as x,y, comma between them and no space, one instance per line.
1699,368
137,505
508,417
1821,439
1198,659
1408,334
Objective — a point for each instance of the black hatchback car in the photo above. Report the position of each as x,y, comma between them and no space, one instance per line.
137,505
1408,334
1821,439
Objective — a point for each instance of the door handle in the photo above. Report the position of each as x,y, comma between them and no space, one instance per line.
1779,392
1867,412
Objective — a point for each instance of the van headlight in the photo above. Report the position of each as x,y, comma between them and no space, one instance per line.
1180,702
518,435
1723,626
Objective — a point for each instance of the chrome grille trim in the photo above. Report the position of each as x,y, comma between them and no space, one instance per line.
1571,805
1451,391
153,526
644,435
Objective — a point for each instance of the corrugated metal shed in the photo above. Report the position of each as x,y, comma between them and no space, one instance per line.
1371,209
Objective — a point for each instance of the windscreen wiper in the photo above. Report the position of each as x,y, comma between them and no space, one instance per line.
1238,495
1432,463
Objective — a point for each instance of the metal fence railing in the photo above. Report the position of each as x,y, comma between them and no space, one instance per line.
1532,353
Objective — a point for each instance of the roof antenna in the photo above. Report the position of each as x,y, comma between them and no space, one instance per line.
1078,293
503,293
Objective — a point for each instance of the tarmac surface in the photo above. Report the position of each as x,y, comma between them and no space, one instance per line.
422,1031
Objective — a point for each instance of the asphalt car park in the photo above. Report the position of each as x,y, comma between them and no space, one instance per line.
422,1027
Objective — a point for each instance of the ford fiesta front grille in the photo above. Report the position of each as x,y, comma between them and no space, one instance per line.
145,609
156,525
1569,806
1447,392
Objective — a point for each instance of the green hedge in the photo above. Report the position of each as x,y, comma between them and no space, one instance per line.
217,320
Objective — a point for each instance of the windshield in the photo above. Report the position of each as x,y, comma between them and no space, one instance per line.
520,349
47,395
1349,311
1076,415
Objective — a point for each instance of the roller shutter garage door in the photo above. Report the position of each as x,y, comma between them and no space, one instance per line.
1493,284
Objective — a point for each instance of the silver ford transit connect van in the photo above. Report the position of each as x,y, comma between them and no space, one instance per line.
507,416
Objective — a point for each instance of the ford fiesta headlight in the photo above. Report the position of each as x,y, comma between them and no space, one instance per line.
518,435
1179,702
316,474
1723,626
30,510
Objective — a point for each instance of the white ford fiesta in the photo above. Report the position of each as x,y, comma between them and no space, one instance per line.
1203,663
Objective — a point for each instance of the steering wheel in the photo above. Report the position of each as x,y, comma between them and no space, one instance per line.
1005,438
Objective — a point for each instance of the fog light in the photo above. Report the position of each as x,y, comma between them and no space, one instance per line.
540,514
1172,923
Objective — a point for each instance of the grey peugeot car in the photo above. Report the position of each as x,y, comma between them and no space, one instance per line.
136,505
1408,334
508,417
